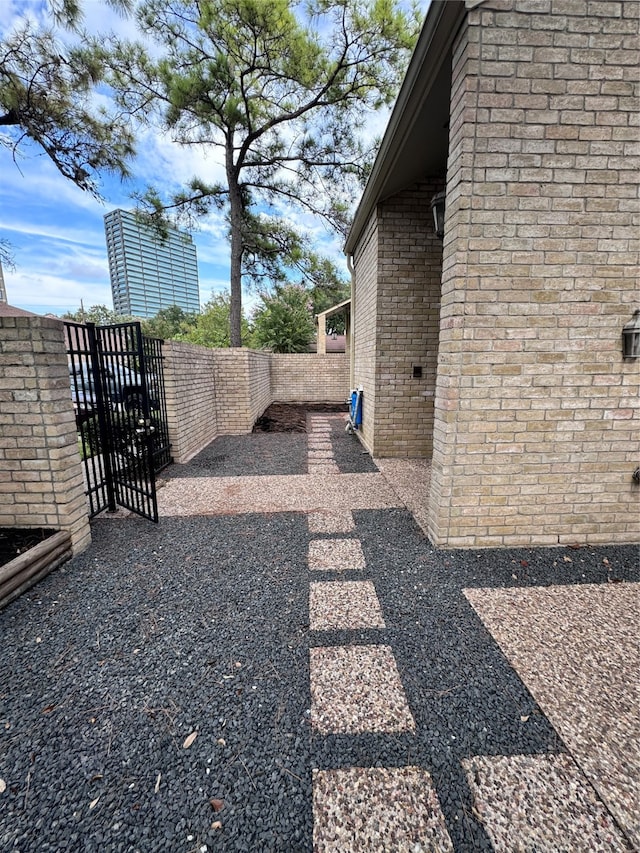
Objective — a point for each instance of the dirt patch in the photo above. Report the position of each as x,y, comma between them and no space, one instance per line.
292,417
16,540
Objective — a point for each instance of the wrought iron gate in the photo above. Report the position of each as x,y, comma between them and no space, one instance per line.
117,387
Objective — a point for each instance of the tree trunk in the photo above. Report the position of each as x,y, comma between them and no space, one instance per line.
235,215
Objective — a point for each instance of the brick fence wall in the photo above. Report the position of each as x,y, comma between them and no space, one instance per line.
536,423
189,373
41,480
309,378
224,391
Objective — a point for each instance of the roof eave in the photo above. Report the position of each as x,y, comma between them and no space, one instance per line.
441,24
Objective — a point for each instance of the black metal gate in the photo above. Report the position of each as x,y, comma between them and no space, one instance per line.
117,387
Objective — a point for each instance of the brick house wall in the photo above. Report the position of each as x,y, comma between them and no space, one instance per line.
41,480
536,423
365,329
409,272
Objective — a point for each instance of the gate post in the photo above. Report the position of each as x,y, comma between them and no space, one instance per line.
96,368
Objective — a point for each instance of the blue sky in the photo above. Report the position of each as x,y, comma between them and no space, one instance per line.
57,231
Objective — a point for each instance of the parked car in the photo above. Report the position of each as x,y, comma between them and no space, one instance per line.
123,387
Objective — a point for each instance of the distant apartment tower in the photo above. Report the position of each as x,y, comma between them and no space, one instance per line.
148,272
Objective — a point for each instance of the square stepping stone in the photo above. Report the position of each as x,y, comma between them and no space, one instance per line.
375,810
331,522
540,802
335,605
336,555
357,689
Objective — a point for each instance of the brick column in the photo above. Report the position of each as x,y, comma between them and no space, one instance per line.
41,479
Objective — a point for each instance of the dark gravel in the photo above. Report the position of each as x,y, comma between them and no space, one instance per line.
257,455
110,663
349,454
201,624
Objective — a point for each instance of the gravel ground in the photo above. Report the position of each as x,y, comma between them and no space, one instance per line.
200,625
259,454
108,666
349,454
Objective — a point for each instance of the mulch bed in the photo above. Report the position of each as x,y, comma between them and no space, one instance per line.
292,417
16,540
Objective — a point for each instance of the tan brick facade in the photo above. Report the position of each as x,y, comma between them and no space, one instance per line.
535,434
365,330
397,325
41,482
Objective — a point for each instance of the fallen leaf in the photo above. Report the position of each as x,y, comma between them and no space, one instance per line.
216,805
190,740
157,787
93,803
524,564
48,709
217,824
3,786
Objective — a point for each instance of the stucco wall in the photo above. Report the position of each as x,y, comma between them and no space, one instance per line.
536,422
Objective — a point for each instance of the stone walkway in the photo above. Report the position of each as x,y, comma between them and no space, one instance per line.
575,648
284,664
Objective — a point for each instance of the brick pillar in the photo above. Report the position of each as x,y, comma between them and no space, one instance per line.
41,478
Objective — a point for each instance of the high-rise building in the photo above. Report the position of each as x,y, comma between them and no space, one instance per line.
148,272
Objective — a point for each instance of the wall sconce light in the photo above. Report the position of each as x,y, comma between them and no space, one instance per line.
631,337
437,208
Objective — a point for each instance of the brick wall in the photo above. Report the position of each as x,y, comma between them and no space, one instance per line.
233,391
189,372
213,392
536,422
364,330
41,481
409,272
309,378
259,369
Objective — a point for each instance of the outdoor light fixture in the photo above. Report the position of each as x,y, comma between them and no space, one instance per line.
631,337
437,207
